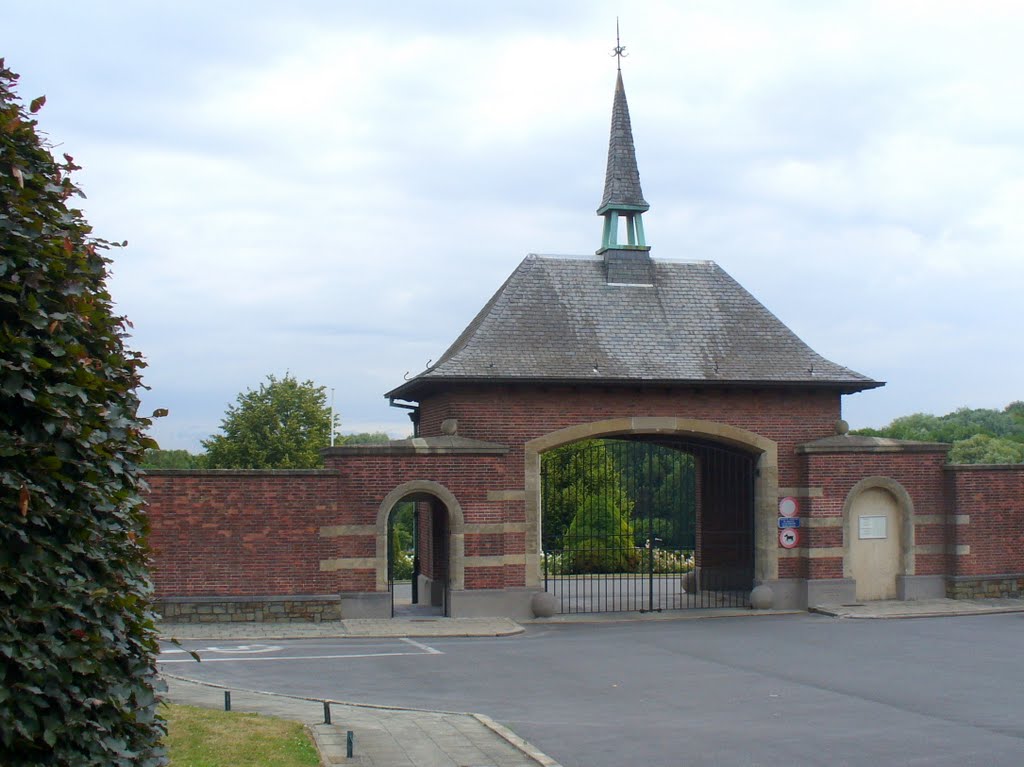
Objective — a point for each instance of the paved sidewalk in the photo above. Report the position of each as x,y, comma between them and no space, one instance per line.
484,627
383,736
353,627
922,608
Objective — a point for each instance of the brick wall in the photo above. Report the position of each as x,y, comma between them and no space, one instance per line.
244,533
513,415
988,539
248,535
918,472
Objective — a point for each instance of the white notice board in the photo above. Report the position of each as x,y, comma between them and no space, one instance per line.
873,527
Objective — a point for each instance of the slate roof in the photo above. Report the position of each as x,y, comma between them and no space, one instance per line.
622,179
560,320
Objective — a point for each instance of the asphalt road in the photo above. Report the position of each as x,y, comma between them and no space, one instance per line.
780,690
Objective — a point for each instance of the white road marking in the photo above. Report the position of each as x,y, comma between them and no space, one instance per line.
428,651
426,648
244,648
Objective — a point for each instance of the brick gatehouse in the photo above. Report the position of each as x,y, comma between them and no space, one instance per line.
619,346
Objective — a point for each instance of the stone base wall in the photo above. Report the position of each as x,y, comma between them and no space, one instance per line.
986,587
250,609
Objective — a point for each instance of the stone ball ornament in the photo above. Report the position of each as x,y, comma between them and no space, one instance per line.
543,604
761,598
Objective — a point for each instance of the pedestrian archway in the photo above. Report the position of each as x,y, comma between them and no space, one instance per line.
436,522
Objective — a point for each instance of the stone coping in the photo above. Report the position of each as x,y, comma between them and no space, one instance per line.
442,445
243,472
984,467
854,443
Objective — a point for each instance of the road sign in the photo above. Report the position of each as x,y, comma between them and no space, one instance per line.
785,522
789,538
789,507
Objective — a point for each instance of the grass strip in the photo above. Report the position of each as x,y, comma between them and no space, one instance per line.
202,737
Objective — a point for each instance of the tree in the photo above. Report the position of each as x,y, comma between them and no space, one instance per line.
663,486
77,640
587,509
600,537
570,473
365,438
981,448
173,459
282,425
401,525
965,429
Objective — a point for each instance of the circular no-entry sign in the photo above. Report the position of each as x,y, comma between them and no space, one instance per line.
789,538
789,507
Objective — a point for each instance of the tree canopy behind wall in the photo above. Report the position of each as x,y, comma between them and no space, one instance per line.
282,425
77,643
978,435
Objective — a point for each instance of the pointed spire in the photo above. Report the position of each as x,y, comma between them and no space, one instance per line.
622,193
622,179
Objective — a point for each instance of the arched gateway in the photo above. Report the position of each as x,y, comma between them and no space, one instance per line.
667,355
704,543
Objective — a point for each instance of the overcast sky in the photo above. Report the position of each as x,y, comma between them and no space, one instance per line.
335,188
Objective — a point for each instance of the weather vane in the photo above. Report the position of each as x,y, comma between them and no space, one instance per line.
620,49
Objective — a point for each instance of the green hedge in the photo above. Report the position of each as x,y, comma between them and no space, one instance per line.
77,642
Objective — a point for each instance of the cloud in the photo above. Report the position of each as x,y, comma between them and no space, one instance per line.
335,189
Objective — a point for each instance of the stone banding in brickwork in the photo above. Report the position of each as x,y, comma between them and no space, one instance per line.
942,519
821,522
348,563
506,495
480,560
801,492
495,527
824,552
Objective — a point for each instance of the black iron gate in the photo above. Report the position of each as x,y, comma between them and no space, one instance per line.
647,524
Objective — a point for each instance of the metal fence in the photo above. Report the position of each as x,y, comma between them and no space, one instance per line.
649,525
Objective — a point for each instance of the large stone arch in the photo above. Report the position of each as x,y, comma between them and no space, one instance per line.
905,505
421,490
766,485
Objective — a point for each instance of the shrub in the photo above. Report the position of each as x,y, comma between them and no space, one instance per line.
77,642
600,539
401,566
